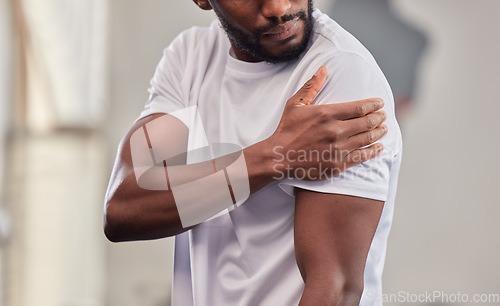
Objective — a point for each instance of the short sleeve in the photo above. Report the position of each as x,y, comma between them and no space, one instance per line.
351,78
165,91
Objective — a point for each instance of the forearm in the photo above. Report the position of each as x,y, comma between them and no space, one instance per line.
259,164
194,194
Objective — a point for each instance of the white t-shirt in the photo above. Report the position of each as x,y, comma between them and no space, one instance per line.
245,255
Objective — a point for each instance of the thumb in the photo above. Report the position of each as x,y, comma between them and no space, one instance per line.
310,89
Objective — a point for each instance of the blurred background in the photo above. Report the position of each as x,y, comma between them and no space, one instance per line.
74,76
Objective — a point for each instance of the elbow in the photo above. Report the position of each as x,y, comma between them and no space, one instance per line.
332,290
351,293
345,291
111,233
111,224
125,222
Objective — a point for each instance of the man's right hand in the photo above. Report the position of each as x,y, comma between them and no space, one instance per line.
345,131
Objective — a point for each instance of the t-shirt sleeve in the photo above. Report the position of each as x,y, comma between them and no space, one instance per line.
351,78
165,91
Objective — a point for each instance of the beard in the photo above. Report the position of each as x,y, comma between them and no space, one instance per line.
250,43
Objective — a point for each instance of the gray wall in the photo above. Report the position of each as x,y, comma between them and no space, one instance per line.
445,234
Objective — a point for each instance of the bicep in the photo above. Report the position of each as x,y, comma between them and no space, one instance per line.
150,140
333,234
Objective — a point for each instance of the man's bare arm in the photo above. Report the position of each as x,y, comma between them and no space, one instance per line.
333,234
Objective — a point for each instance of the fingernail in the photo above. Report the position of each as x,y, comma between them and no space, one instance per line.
317,72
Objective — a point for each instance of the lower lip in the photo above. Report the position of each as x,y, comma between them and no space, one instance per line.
285,34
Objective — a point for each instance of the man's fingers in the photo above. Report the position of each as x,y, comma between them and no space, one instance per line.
310,89
365,138
360,156
359,125
356,109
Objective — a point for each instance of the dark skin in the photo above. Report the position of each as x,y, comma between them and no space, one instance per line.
332,232
250,16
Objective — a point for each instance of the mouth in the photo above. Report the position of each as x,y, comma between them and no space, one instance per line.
283,31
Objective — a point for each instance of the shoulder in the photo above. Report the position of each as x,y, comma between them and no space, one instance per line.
199,34
340,51
353,73
331,36
197,40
